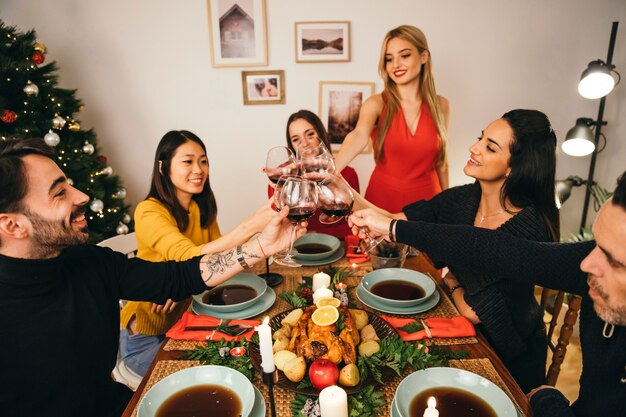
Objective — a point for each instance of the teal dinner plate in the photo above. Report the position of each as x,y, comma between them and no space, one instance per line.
394,408
367,299
409,276
258,410
243,278
329,260
331,242
263,303
460,379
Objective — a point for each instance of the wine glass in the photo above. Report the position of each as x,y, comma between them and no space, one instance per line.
335,201
315,162
300,195
280,161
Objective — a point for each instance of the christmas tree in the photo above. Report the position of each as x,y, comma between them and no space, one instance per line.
31,105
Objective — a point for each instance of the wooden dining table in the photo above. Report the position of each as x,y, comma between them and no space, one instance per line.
481,358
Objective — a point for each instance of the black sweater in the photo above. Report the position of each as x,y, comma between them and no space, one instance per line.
552,265
508,310
59,327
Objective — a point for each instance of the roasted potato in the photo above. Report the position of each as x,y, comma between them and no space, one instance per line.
282,357
295,369
292,318
349,376
360,318
369,333
282,343
367,349
284,331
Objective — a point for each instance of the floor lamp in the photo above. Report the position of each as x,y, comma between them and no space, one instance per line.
595,82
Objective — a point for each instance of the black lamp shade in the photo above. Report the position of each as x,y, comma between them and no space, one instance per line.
579,139
596,81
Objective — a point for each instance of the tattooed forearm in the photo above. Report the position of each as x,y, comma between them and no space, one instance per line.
248,254
217,264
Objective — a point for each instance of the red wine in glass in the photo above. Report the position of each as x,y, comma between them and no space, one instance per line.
300,214
337,211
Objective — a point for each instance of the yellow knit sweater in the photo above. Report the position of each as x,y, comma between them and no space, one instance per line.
158,239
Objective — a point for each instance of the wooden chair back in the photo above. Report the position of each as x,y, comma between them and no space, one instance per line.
558,334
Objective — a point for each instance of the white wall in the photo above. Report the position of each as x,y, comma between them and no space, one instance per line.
143,67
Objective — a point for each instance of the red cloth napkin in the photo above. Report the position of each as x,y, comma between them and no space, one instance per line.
353,250
457,326
188,319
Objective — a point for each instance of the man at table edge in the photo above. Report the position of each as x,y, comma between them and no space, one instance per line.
59,313
595,270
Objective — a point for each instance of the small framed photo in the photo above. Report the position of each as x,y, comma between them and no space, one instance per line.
263,87
339,107
322,41
238,33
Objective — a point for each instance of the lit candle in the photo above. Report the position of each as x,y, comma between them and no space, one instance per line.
320,293
320,280
265,346
431,411
333,402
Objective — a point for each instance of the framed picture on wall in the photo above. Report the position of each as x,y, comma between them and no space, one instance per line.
339,106
263,87
322,41
238,33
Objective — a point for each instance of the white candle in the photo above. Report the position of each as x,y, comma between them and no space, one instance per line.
333,402
321,293
265,346
431,411
320,280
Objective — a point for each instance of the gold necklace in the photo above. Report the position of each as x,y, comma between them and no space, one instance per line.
485,216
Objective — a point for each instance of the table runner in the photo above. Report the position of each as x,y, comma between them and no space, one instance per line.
283,398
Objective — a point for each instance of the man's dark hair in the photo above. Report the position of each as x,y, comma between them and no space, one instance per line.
13,184
619,195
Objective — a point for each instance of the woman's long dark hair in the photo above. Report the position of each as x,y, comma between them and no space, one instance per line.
533,166
315,121
163,190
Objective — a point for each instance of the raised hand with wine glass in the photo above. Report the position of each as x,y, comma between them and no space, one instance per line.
300,195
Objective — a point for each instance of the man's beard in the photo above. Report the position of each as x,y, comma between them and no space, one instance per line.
610,314
52,236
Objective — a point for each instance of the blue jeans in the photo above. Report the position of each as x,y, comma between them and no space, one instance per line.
138,350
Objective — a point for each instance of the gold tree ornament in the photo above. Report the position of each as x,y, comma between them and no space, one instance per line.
39,47
74,126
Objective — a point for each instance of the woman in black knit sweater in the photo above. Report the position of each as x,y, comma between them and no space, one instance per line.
514,165
594,270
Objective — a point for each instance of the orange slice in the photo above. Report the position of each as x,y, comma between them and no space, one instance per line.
325,316
328,301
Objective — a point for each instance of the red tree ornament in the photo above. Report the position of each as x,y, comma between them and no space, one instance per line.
38,58
8,116
102,159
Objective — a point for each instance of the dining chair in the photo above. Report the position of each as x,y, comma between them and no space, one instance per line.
558,334
126,244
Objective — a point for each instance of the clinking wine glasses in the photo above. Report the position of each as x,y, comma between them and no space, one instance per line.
300,195
280,161
335,200
315,162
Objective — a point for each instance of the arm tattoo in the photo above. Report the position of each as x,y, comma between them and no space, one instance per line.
249,254
217,264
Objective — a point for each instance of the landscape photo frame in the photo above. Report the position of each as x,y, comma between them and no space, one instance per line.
322,41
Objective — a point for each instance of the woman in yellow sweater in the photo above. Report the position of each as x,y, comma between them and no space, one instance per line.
177,221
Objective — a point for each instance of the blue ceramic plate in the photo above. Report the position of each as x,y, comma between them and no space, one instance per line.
243,278
399,274
331,242
262,304
371,302
199,375
460,379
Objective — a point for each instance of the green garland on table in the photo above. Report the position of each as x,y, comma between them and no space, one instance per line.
302,296
218,353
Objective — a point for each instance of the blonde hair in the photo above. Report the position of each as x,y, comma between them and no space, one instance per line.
427,90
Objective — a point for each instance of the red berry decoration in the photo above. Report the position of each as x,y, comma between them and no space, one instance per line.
38,58
102,159
8,116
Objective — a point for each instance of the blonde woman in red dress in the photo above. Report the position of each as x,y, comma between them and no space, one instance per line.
407,124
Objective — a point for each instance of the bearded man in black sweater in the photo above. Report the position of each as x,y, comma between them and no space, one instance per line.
594,270
59,311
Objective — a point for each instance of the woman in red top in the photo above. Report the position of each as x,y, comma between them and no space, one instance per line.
407,123
304,128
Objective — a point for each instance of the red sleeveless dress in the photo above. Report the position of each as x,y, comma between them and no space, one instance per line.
407,173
